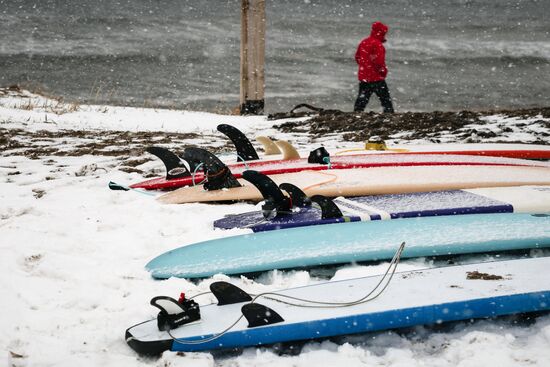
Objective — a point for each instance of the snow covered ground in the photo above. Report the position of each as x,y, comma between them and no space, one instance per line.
72,251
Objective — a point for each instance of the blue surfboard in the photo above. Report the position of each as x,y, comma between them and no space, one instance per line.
356,241
424,296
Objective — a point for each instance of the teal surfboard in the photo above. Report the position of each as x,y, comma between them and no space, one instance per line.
355,241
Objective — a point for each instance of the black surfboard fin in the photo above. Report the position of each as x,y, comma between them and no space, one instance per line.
298,197
260,315
193,165
244,147
217,173
276,202
329,210
174,165
227,293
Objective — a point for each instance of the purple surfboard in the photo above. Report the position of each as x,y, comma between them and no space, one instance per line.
378,207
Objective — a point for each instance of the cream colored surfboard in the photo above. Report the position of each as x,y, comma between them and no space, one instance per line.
375,181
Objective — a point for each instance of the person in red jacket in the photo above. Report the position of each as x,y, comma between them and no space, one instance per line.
370,57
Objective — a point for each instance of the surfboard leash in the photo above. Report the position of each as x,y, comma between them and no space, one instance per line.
332,179
314,304
194,173
321,304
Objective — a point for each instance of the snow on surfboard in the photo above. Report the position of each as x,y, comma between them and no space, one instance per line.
356,241
419,297
179,174
521,151
378,146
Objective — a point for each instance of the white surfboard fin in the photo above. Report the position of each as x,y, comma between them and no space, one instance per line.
227,293
270,148
167,304
329,210
260,315
217,173
244,147
175,168
289,152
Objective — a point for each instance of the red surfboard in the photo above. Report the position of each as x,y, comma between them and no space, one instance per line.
179,174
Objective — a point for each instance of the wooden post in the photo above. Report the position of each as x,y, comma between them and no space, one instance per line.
252,56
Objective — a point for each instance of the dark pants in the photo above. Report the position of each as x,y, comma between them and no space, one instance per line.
365,91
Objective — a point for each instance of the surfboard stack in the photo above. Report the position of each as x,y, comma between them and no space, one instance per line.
337,209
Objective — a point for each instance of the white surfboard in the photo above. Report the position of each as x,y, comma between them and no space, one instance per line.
411,298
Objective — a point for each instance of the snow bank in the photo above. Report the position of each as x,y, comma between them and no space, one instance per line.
38,112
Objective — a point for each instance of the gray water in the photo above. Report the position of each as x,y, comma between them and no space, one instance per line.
442,55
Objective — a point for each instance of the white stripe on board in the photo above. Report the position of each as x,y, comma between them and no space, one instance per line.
371,209
350,211
364,216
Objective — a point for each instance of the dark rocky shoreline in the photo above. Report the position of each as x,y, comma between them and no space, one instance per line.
312,124
418,125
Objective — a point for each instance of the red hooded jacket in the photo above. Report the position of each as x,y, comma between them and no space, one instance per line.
371,55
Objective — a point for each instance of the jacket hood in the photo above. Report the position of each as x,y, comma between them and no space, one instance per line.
379,31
